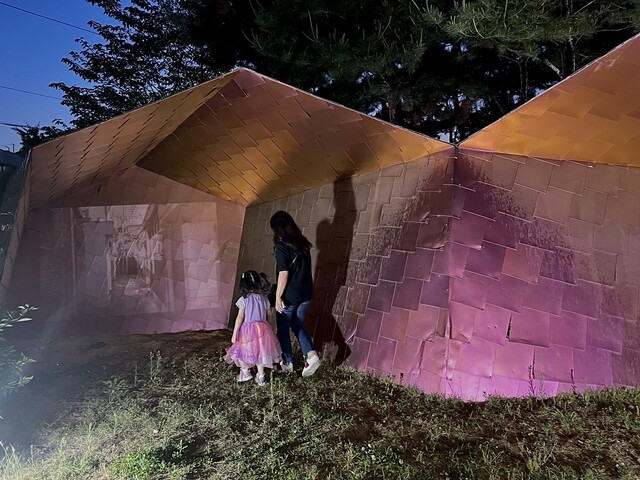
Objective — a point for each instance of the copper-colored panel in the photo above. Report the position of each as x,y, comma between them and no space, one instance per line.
210,136
592,116
113,145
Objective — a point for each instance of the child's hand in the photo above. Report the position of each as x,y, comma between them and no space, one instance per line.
234,337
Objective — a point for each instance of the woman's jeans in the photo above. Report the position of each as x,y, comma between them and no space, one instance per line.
293,318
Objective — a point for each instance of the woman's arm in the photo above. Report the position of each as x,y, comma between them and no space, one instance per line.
239,320
283,278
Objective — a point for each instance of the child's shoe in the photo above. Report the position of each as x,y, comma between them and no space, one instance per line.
311,365
286,367
244,376
260,380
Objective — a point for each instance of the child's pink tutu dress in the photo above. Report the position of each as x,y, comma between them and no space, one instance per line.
256,343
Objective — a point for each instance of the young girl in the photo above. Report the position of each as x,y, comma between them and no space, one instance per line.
253,341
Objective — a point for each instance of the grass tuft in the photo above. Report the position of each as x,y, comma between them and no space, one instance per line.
177,413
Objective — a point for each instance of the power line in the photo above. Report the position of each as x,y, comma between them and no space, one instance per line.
13,125
49,18
28,92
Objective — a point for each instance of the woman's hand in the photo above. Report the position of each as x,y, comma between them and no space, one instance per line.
279,305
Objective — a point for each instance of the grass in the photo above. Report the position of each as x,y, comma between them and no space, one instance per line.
167,414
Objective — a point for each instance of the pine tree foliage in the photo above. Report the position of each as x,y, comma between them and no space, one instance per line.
445,68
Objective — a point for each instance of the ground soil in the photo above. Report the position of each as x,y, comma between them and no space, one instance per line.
66,368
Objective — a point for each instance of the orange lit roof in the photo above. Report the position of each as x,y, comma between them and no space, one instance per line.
243,137
591,116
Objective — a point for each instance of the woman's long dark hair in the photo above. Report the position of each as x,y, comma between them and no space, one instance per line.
285,230
254,282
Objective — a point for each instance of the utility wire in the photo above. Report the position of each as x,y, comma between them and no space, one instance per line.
13,124
30,93
49,18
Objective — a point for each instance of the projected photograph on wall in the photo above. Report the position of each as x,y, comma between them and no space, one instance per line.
129,258
141,259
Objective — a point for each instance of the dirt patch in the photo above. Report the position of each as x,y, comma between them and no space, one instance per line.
65,369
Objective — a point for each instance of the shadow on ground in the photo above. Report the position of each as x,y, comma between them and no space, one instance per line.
66,369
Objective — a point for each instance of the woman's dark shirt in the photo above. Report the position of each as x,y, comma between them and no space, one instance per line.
299,287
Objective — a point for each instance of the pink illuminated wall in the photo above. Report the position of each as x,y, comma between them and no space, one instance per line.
147,256
487,275
548,296
464,273
376,237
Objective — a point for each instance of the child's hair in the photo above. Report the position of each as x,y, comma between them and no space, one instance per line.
254,282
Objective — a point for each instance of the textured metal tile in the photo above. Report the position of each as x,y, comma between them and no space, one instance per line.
419,264
382,355
394,324
524,262
487,261
462,319
407,358
507,292
407,294
393,267
477,358
506,230
560,265
484,200
620,301
611,237
591,206
606,332
546,295
369,325
423,322
470,290
530,327
514,360
497,386
626,367
434,356
500,171
451,260
534,174
593,366
555,205
469,230
584,298
492,324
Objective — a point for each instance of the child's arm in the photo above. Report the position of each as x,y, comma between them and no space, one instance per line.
239,320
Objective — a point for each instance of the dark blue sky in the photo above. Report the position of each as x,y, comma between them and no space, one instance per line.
31,50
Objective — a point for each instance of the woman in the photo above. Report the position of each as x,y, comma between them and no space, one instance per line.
294,290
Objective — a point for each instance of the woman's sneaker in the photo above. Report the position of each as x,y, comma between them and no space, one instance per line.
311,365
260,380
286,367
244,376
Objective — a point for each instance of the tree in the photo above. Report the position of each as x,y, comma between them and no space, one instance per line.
439,67
559,36
32,135
444,68
144,57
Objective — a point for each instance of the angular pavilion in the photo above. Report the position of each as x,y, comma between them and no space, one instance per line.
506,265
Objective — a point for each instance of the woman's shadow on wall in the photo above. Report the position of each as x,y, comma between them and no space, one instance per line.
333,241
